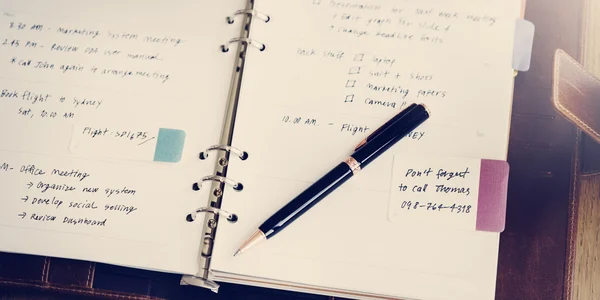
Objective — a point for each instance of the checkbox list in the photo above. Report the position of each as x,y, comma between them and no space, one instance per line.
354,71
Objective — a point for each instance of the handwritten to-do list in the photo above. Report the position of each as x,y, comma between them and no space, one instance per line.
54,196
67,49
102,108
372,84
82,53
338,77
42,50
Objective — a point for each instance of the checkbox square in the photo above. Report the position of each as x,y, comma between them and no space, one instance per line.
316,2
350,83
349,98
359,57
354,71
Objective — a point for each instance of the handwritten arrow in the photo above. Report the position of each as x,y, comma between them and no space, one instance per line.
25,198
146,141
29,185
22,215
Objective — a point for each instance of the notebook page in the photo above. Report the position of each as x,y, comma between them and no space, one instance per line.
104,107
331,73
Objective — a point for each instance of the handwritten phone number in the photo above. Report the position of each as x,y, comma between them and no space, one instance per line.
454,208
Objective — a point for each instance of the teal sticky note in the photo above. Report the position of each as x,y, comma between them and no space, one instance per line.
169,145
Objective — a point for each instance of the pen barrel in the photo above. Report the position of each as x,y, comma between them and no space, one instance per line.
387,138
387,124
307,199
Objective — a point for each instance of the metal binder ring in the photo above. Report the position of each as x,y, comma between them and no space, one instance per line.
252,12
236,185
232,218
243,155
248,41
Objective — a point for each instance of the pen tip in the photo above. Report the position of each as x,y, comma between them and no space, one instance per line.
256,237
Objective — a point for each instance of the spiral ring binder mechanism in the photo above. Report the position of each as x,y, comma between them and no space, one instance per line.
251,12
232,218
248,41
243,155
223,150
236,185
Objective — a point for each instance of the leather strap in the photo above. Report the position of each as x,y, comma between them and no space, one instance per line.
576,95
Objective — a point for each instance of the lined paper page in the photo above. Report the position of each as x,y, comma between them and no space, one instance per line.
332,72
104,107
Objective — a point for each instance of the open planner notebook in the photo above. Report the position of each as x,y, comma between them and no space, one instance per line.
105,107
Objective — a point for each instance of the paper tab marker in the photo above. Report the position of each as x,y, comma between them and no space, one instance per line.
169,145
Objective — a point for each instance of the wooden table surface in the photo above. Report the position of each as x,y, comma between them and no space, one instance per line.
586,277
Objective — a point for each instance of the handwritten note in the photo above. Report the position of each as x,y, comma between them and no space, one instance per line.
413,24
335,87
82,52
60,71
357,63
68,197
103,109
448,193
141,143
422,24
46,45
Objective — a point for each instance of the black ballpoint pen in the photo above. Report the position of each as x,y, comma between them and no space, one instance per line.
365,152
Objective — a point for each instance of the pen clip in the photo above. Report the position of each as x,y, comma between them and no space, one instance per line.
386,125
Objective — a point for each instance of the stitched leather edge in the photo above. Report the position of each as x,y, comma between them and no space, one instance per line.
573,210
577,120
90,278
89,292
45,269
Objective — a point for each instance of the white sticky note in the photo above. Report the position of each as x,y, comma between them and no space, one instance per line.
450,193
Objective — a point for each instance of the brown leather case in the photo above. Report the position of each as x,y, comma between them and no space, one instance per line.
576,94
535,248
35,277
66,277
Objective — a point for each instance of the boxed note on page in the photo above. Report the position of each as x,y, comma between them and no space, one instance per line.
452,193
